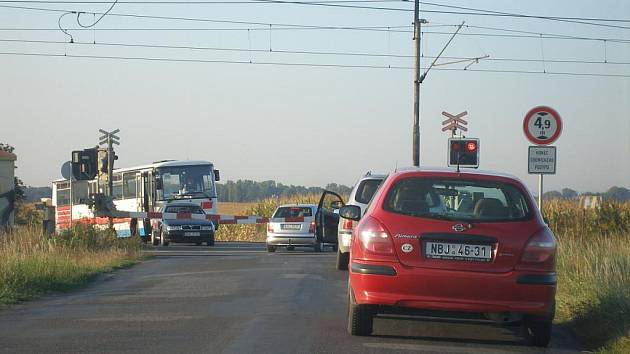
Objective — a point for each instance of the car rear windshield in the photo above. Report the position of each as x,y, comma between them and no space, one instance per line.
457,199
293,212
183,209
366,190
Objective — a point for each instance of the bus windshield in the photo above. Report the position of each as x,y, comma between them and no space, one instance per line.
190,181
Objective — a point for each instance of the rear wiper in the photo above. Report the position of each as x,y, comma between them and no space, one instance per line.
436,216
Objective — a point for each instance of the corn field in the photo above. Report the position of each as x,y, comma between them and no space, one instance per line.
565,216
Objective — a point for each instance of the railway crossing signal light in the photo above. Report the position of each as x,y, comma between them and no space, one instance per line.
103,160
84,164
463,152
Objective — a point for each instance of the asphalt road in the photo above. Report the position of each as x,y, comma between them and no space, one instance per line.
232,298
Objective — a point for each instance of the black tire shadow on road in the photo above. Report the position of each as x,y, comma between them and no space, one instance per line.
446,339
513,329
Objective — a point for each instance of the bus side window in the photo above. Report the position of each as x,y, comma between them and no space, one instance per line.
117,191
63,194
79,192
129,185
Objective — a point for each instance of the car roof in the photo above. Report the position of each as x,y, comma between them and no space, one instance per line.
297,205
180,204
371,175
453,172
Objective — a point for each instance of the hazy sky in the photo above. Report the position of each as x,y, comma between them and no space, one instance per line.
313,125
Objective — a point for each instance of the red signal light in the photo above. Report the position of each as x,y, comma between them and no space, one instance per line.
471,146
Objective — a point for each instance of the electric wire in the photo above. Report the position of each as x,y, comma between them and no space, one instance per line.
307,52
305,64
475,12
99,19
289,26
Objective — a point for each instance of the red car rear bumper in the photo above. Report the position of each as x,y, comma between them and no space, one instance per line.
392,284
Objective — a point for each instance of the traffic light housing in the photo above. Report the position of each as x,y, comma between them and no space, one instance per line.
84,164
463,152
103,160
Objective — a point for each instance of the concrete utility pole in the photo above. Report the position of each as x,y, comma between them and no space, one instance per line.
416,97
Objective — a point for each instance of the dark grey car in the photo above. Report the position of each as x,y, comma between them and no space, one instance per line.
196,229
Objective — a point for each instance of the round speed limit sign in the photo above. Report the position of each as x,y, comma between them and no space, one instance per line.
542,125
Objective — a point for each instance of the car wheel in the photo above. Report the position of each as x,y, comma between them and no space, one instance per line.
163,241
271,249
537,332
290,248
343,259
318,246
335,248
360,318
198,243
211,242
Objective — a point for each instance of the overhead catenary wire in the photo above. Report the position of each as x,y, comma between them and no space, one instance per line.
303,64
289,26
96,21
475,12
486,12
306,52
314,27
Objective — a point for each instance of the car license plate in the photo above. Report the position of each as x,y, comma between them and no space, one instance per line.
192,233
457,251
290,226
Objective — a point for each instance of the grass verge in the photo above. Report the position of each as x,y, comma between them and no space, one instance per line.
32,264
593,298
594,290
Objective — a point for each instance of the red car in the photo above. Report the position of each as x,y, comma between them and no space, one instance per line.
452,244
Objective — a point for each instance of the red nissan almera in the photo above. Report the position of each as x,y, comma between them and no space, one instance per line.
453,244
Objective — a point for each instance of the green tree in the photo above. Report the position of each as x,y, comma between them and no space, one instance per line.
552,195
619,194
568,193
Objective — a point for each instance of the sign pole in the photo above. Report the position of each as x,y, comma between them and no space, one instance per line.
540,192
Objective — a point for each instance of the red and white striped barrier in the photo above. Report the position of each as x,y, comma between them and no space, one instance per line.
221,219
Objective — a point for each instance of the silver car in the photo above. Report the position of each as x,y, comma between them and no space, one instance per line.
361,196
293,225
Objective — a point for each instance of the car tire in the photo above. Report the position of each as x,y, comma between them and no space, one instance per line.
211,242
360,318
154,239
343,258
271,249
335,248
163,241
198,243
318,246
537,332
290,248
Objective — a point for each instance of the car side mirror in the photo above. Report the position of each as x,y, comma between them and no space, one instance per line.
351,212
217,175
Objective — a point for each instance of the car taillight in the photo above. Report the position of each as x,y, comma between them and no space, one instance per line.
311,227
347,225
374,238
540,251
269,228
